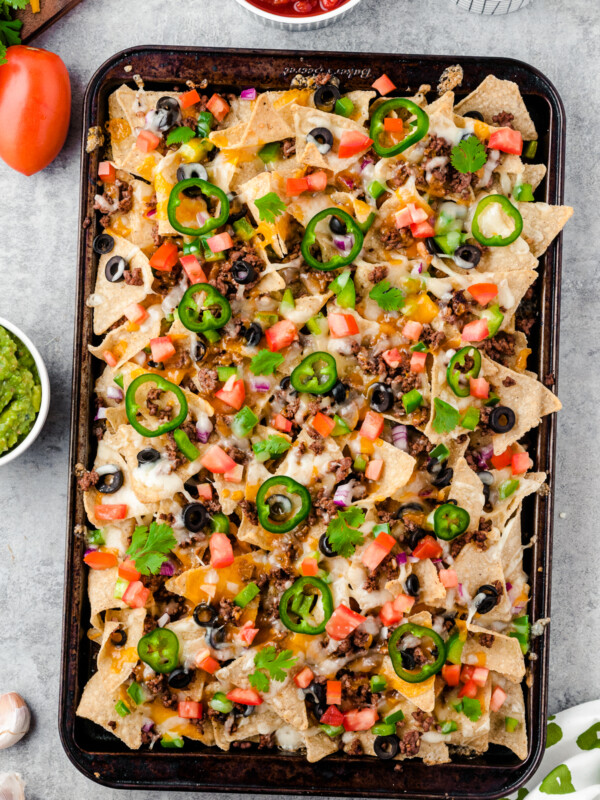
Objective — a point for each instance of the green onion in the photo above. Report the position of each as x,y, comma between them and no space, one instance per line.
270,152
344,107
530,149
511,724
120,588
172,741
136,693
243,422
376,189
378,682
95,537
332,730
247,594
219,523
523,192
360,463
121,709
225,373
470,418
314,324
507,488
341,428
287,302
182,440
243,229
412,400
419,347
118,379
440,452
394,717
383,729
449,726
220,703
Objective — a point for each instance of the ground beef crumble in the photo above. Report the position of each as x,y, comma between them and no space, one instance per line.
503,119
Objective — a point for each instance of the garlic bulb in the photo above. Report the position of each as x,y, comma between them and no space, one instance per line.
14,719
11,786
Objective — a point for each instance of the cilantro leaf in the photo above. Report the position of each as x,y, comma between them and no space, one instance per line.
270,206
150,547
265,362
446,416
9,29
259,681
342,534
471,708
387,296
270,447
180,135
275,663
468,155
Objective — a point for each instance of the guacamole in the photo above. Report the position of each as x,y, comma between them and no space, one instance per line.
20,391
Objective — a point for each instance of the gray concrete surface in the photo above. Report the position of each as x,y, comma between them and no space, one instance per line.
38,238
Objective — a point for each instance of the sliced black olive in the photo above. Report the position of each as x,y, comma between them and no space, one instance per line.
474,115
244,711
243,272
115,269
408,507
337,226
412,585
443,478
192,170
103,244
325,546
415,537
180,678
326,97
197,350
408,659
156,364
280,507
191,486
434,467
118,637
386,747
432,246
147,456
339,392
216,636
168,103
467,256
382,398
485,477
490,600
205,616
322,138
286,385
253,334
502,419
195,517
316,694
111,479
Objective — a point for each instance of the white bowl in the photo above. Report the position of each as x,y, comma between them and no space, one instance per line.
45,401
308,23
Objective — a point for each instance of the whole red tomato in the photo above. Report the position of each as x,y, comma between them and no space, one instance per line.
35,108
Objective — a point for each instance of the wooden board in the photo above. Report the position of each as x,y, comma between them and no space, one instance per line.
50,11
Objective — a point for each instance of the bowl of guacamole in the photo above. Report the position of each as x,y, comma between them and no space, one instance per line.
24,392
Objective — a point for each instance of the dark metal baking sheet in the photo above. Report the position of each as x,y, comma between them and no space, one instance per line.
197,768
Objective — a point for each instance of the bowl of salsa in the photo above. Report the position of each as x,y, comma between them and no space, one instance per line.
299,14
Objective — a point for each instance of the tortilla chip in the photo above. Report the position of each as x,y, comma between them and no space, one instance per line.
134,224
125,341
289,705
273,233
422,695
264,125
542,223
493,96
318,744
191,638
101,593
432,590
504,656
467,489
115,664
513,706
98,706
475,568
434,753
504,509
514,256
306,307
471,733
305,119
398,467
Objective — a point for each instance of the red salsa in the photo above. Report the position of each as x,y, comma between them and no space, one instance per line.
297,8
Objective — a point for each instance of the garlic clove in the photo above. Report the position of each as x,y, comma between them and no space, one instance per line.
11,786
14,719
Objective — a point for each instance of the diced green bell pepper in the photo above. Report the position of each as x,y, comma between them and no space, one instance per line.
344,107
270,152
412,400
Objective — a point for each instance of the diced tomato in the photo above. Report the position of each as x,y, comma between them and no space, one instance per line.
383,85
334,693
97,559
373,470
107,172
392,357
189,99
247,633
233,393
147,141
193,269
220,242
352,143
466,673
402,218
310,566
304,678
403,603
205,491
333,716
520,463
479,387
281,335
110,358
295,186
136,595
417,214
428,547
507,140
412,330
128,571
110,511
483,292
217,460
372,426
451,674
246,697
362,720
189,709
323,424
317,182
389,615
282,424
480,675
234,475
162,348
497,699
475,331
208,664
374,554
135,313
221,551
502,460
342,622
341,325
218,107
468,690
165,258
422,230
393,125
448,577
418,361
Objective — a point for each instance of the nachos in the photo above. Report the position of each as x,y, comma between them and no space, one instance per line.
312,312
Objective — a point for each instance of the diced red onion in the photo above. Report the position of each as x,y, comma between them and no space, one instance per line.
260,384
248,94
420,268
460,590
436,560
508,586
162,621
167,569
365,162
204,428
343,495
91,549
151,213
140,358
348,182
344,243
400,437
115,393
518,608
487,452
147,727
202,217
101,413
413,559
401,558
